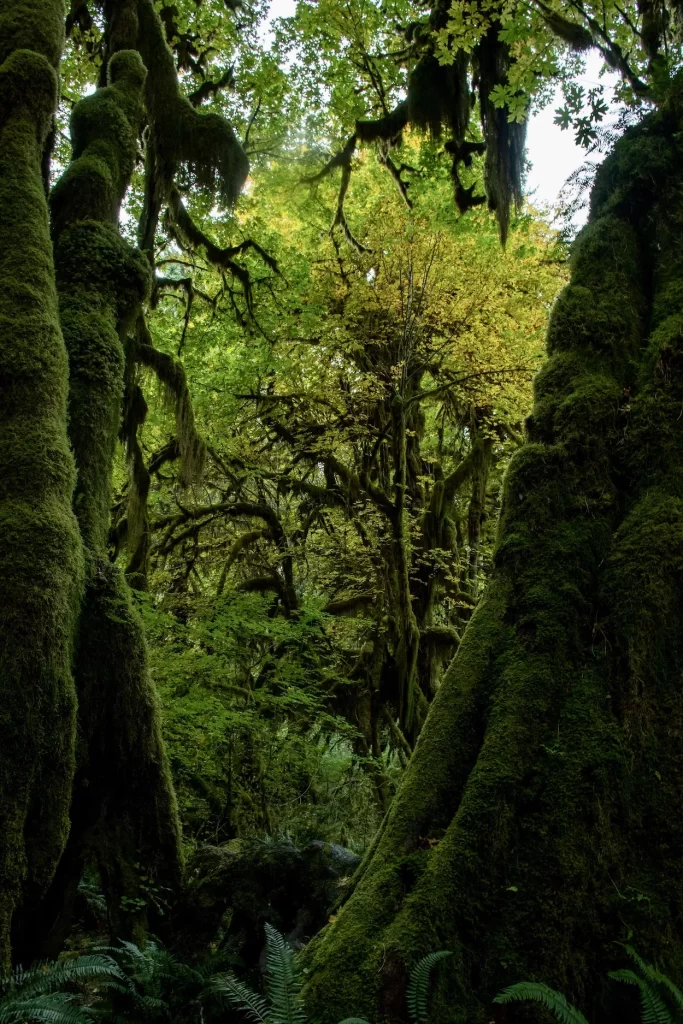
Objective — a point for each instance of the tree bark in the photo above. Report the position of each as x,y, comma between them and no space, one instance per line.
538,821
41,564
124,814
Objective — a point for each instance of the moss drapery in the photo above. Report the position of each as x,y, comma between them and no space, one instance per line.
538,819
41,563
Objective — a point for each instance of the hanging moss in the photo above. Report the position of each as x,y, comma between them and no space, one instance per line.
505,140
40,561
171,375
538,820
204,144
439,96
124,810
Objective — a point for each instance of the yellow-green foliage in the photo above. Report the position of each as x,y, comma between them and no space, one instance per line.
40,559
538,817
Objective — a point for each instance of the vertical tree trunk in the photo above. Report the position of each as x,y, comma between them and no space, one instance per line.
130,795
124,813
412,701
539,819
40,556
482,449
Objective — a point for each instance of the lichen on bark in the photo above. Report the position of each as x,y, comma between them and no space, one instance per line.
41,564
537,823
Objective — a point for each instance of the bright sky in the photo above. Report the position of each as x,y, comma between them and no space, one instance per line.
552,152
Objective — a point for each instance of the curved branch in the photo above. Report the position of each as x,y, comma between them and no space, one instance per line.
244,541
188,235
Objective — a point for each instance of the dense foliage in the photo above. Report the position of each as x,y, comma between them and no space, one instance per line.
342,512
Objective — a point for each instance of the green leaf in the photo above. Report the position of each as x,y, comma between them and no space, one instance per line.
418,986
536,991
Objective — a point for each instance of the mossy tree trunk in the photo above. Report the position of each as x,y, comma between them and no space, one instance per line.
124,814
539,822
41,564
123,811
124,802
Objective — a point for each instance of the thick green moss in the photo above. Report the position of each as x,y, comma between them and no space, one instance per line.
101,279
104,129
537,822
124,812
33,25
40,561
203,142
125,771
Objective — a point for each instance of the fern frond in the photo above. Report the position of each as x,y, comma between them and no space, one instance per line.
154,1007
655,1011
418,986
673,990
43,978
283,980
56,1008
353,1020
652,974
540,993
626,975
239,996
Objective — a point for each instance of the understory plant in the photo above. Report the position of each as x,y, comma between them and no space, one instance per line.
284,978
661,1000
154,984
49,993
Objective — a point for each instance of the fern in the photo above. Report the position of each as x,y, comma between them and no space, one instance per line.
240,997
283,988
652,974
418,986
283,980
654,1009
55,1008
36,994
46,977
540,993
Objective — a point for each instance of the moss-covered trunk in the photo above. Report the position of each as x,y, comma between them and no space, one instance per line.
123,814
40,556
539,818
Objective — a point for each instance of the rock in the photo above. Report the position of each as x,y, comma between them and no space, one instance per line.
234,889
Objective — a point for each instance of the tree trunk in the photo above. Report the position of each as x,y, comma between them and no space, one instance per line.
538,821
123,813
482,451
412,701
41,563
